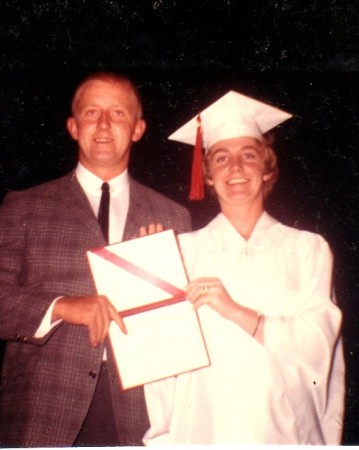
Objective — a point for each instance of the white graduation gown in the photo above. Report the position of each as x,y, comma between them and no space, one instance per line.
289,390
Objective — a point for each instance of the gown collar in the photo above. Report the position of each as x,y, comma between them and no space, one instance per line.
222,227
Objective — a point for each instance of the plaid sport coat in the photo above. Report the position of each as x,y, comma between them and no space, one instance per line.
47,384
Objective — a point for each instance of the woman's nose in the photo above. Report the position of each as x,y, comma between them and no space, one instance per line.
236,164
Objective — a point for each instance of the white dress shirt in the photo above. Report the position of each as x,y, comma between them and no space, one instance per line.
119,198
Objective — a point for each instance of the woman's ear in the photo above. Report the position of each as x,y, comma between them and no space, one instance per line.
205,170
267,176
208,181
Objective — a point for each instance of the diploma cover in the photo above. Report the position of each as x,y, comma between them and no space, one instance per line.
143,278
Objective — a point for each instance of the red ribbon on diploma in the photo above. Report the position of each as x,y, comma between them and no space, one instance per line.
177,294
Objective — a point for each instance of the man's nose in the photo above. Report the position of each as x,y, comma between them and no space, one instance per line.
104,120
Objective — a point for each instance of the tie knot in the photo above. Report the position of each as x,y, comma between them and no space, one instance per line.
105,187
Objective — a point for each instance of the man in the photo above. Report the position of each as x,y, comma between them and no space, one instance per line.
58,380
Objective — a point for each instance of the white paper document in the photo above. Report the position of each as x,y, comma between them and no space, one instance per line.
144,278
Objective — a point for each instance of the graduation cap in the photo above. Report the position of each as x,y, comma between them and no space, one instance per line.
233,115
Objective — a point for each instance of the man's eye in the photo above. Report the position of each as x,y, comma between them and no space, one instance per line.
91,113
249,155
220,159
118,113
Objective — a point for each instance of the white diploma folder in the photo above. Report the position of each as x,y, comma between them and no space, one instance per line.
143,278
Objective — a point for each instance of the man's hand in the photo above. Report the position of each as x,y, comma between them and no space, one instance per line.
151,229
95,312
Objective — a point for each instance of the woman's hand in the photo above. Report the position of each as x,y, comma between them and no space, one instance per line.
211,292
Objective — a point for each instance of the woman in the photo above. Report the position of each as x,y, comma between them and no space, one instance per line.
263,295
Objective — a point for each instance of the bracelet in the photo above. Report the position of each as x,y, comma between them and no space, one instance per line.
257,324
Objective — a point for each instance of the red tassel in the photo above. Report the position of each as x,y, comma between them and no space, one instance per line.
197,188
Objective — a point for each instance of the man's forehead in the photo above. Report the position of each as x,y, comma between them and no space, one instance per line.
113,92
95,85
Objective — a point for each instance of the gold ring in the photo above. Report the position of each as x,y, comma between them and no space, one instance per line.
205,288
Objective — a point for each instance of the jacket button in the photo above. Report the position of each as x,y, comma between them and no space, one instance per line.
92,374
20,338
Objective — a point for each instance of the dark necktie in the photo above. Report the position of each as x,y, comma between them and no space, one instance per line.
103,212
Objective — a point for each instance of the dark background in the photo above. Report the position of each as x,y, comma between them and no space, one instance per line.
300,56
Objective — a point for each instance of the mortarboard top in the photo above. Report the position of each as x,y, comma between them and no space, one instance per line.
233,115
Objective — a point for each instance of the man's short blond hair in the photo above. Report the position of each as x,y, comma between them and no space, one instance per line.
109,77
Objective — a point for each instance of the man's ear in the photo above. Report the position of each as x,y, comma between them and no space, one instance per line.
72,128
140,128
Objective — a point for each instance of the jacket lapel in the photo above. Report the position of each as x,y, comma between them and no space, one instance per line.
138,212
77,204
